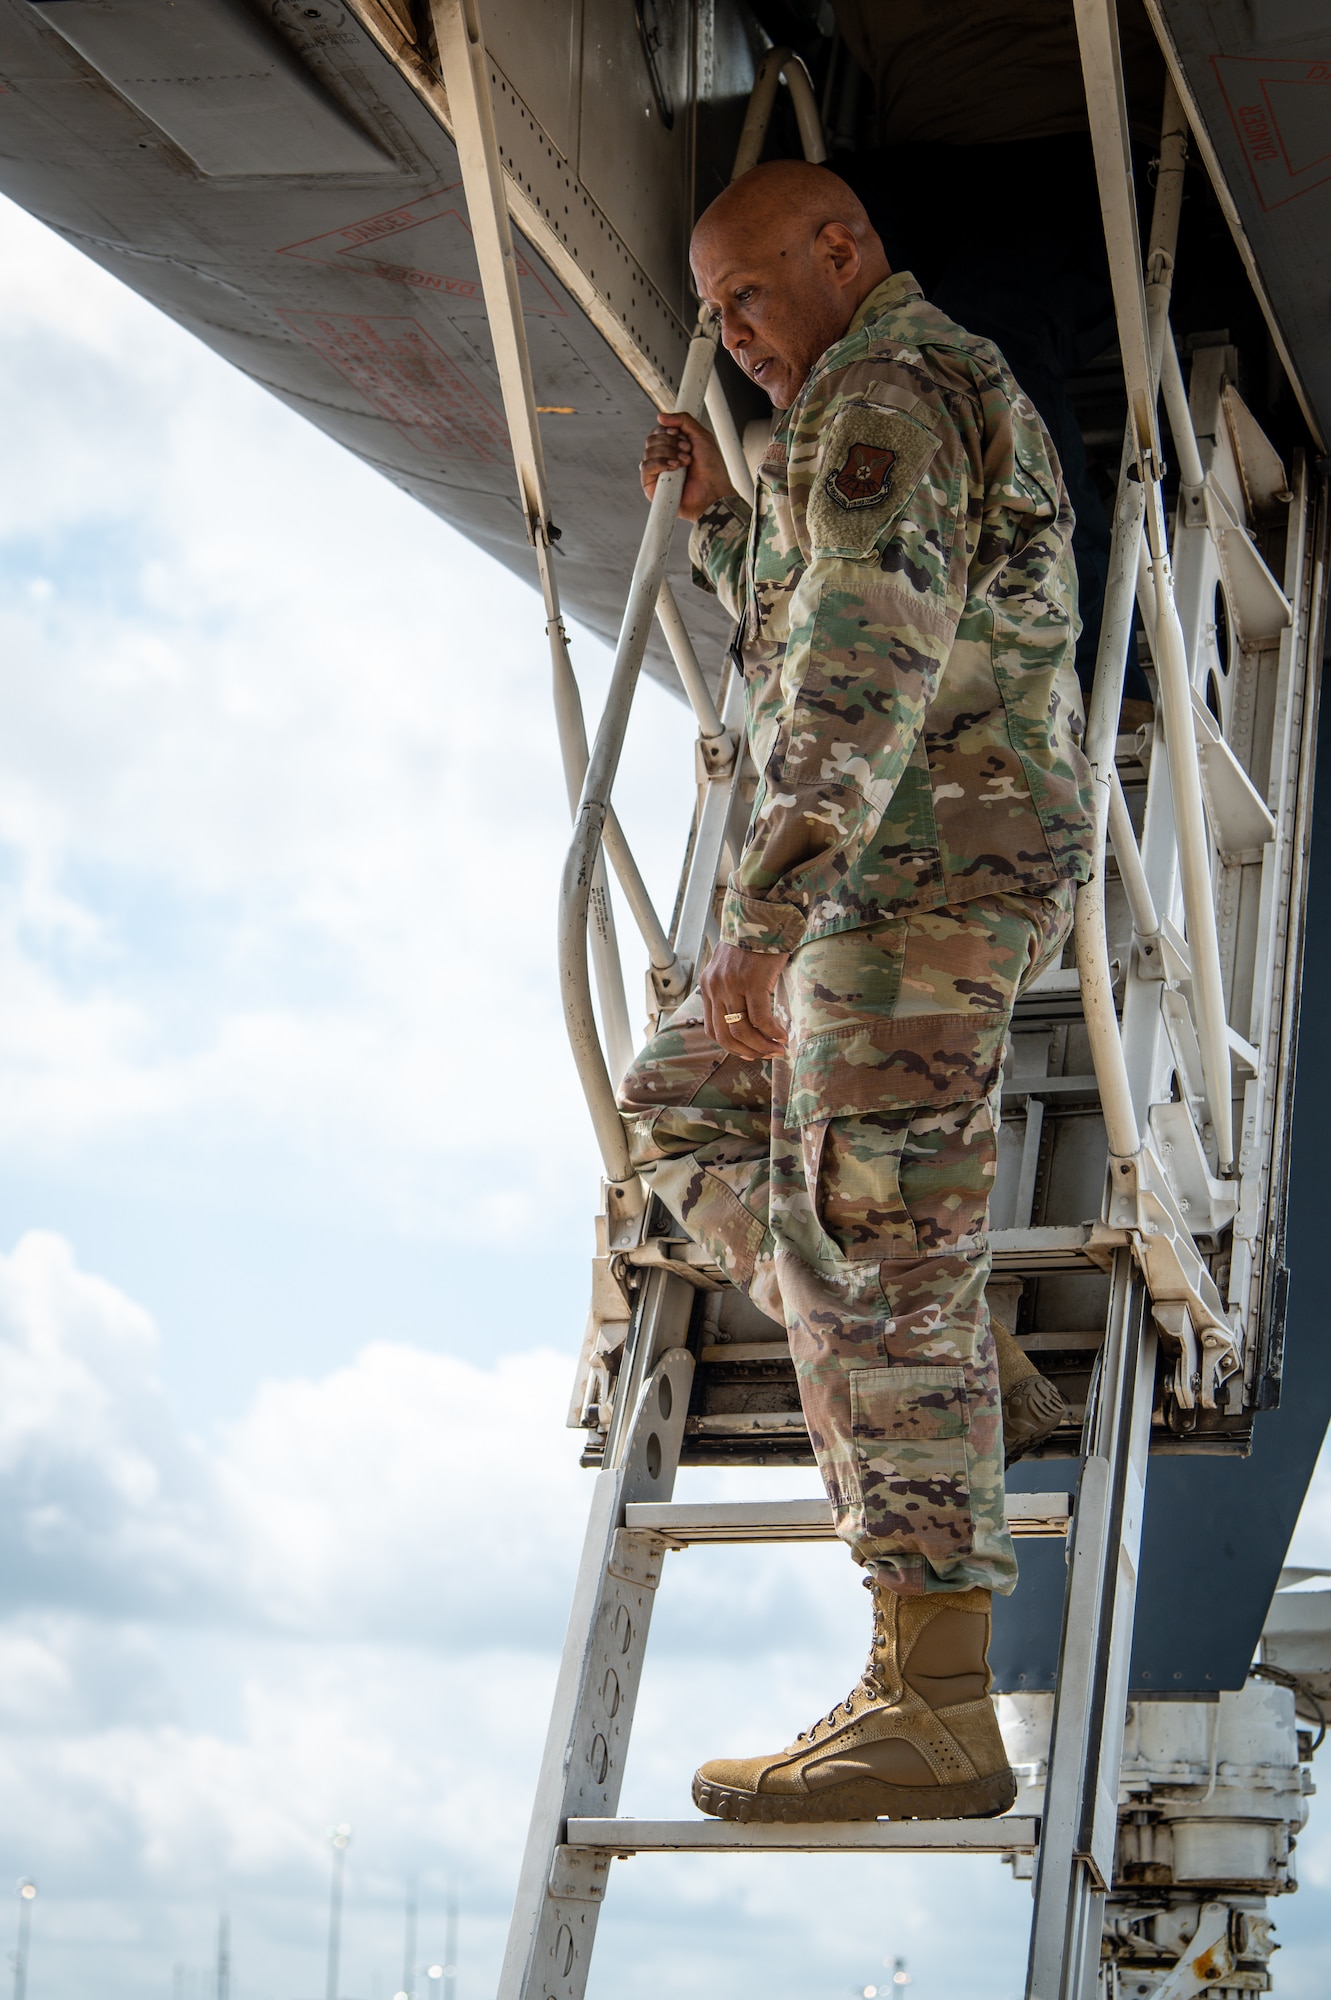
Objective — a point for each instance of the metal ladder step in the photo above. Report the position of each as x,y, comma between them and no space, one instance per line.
683,1522
623,1837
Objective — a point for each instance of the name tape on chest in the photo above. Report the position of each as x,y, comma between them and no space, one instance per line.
868,469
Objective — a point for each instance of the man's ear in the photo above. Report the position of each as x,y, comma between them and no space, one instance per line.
842,251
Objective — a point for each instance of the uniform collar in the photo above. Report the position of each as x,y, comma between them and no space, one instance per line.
898,290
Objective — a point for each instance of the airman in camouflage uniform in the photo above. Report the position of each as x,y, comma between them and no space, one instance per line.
906,604
846,1189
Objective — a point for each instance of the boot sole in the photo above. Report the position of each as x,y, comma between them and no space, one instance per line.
982,1798
1020,1435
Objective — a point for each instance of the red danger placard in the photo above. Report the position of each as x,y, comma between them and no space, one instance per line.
425,245
404,374
1282,113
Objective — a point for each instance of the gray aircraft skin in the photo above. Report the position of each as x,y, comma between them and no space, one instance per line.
279,177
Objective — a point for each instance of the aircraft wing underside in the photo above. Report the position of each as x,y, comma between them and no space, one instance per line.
1257,77
280,179
275,181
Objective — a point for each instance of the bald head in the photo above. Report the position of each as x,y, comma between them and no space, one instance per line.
785,258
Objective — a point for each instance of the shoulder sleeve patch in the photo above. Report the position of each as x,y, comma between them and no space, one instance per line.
868,467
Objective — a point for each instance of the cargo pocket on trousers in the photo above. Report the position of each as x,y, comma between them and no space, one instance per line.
909,1429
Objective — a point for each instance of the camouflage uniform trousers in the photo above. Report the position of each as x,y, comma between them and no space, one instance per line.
845,1187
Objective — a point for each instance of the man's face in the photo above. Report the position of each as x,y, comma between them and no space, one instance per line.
779,296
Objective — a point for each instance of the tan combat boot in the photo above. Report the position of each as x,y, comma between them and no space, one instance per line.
1033,1409
916,1738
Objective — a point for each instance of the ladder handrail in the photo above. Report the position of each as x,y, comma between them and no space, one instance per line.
464,65
1141,308
460,40
1077,1849
594,805
1097,984
644,603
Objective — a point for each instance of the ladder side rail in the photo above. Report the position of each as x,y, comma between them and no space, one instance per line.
557,1902
1290,916
1080,1819
1249,1276
1080,1823
1278,783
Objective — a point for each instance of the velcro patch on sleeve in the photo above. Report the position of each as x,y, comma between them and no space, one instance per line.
869,465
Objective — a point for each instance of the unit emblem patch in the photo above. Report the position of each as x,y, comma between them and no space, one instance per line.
864,476
870,461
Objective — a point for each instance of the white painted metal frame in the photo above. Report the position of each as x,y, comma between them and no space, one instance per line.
1142,328
1175,1024
1167,1153
461,46
646,599
621,1838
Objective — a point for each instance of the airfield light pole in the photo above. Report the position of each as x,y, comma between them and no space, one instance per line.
224,1957
409,1949
27,1895
340,1839
450,1974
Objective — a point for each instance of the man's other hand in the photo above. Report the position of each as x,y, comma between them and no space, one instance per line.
680,440
743,982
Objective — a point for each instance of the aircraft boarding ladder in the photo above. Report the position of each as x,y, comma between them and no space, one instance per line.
1138,1215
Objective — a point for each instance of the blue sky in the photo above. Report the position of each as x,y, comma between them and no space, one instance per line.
295,1200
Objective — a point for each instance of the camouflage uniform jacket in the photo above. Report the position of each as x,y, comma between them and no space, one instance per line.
907,601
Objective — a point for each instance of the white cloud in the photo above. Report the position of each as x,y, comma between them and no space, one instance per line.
348,1605
280,809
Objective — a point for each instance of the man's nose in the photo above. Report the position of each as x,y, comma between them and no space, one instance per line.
735,330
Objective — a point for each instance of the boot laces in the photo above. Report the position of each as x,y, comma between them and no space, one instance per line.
864,1686
869,1686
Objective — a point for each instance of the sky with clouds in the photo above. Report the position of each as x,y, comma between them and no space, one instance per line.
295,1198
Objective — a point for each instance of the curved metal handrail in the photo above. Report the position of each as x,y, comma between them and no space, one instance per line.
641,607
594,805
